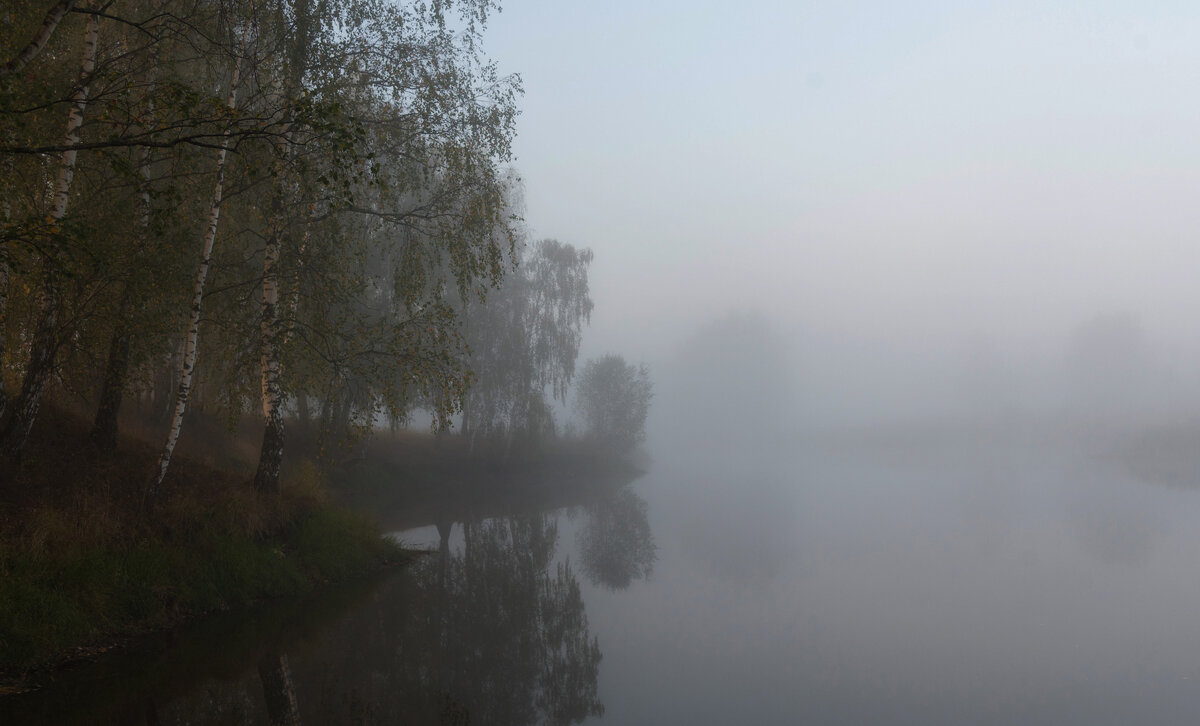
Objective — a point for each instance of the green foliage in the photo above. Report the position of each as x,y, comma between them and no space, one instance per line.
369,140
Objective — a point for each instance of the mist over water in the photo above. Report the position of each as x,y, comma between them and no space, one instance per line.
980,572
915,288
872,533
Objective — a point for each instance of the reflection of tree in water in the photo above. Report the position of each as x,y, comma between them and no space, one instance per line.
278,690
516,643
616,544
493,632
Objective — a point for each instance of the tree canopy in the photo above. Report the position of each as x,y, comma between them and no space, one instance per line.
313,184
614,398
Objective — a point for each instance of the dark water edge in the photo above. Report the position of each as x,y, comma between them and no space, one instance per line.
163,671
490,629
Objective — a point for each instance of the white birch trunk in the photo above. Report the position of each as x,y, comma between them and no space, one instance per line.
193,332
44,31
45,343
294,302
266,477
270,458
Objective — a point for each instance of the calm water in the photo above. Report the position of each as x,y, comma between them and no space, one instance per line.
892,579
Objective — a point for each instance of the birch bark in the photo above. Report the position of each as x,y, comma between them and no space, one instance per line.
45,343
192,339
270,458
57,12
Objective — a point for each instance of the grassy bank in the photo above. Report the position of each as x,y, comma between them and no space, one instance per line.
56,607
84,565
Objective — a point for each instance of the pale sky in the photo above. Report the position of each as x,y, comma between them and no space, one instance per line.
877,170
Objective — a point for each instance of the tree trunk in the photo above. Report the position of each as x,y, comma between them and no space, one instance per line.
45,343
106,426
6,213
303,415
193,332
3,318
278,689
5,219
41,363
294,297
166,377
325,417
270,458
44,31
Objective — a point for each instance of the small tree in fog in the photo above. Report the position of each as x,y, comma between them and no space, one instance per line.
614,397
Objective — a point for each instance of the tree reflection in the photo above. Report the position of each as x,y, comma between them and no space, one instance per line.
278,690
517,646
491,631
616,544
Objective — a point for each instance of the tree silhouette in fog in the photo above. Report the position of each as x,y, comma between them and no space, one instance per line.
614,397
732,379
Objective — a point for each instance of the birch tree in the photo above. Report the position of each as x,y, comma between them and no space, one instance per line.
356,188
41,36
412,124
266,476
525,341
193,330
45,343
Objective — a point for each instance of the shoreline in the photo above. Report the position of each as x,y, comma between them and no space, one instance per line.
84,569
80,607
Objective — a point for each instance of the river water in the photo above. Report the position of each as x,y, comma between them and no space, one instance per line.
940,577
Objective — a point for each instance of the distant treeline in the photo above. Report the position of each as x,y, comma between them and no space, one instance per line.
285,206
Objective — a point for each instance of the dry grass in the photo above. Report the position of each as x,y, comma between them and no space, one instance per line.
66,495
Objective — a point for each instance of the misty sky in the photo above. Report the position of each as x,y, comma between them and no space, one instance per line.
905,173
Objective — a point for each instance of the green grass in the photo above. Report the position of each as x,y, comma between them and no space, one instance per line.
54,604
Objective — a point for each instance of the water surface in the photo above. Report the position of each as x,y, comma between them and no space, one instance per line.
936,577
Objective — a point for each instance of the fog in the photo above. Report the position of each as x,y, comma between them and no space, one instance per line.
915,283
914,286
928,202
